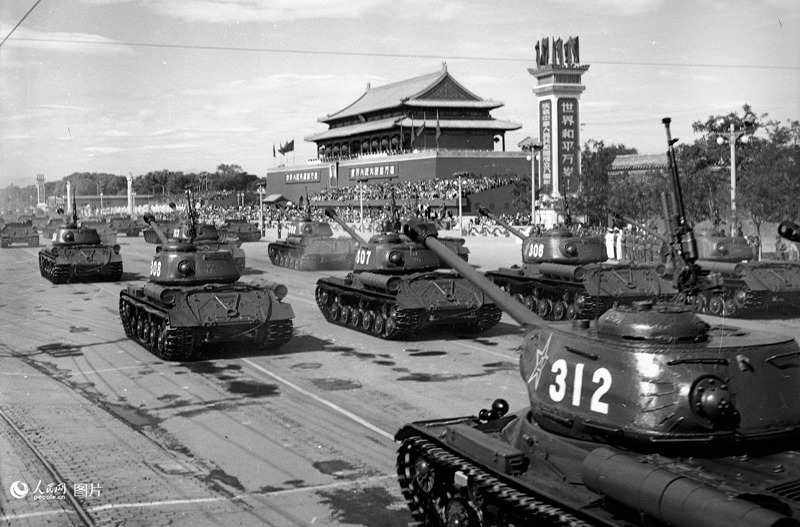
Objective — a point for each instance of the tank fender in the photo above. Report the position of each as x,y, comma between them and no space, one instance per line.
671,498
386,283
159,293
725,268
570,272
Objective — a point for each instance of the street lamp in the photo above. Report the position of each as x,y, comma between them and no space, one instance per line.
731,135
534,159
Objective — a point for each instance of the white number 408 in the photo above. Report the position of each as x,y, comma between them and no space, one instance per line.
558,389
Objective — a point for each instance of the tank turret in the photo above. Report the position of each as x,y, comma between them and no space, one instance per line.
646,416
194,299
563,276
718,274
78,254
310,246
204,236
398,287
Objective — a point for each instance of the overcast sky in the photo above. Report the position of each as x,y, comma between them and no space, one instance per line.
125,86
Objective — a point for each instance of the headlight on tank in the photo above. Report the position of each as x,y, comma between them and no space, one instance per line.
396,258
570,249
116,249
168,297
740,297
69,236
280,291
580,301
722,248
307,229
186,267
54,251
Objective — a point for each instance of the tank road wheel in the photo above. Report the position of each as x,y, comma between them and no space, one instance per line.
520,298
356,317
543,307
716,305
461,514
344,315
378,324
139,328
366,319
425,489
701,303
335,309
530,302
559,310
729,308
572,312
161,340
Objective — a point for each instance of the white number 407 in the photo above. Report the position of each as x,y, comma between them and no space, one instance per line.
558,389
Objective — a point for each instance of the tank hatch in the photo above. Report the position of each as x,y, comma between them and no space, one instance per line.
646,321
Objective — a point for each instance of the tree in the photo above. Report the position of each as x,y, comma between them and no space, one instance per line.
596,197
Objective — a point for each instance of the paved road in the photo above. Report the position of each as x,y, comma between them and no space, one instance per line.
301,436
297,437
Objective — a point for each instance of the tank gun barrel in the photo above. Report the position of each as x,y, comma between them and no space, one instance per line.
423,233
790,231
486,212
642,226
150,220
349,230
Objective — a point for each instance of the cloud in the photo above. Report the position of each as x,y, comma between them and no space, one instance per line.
63,42
227,11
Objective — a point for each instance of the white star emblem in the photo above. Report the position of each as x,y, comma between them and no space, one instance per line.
541,360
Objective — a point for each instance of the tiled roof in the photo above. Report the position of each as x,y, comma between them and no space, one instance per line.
400,93
430,124
631,162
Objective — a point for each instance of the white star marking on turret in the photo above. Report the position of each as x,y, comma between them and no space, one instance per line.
541,360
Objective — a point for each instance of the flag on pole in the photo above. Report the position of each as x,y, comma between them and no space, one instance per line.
412,133
289,147
421,129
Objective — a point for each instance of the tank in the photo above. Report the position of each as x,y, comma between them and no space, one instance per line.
566,277
168,227
108,236
18,232
194,298
51,227
240,229
740,285
646,416
78,255
310,245
124,224
396,289
206,237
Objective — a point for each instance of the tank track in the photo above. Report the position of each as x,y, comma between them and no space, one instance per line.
279,332
151,329
293,258
57,274
723,303
435,500
378,314
60,273
552,301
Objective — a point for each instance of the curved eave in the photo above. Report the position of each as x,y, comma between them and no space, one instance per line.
393,123
426,103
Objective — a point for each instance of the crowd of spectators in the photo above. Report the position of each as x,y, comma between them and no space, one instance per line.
425,190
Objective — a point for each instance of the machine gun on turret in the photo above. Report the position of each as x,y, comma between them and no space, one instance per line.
687,279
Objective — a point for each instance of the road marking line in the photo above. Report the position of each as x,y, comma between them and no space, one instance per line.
484,350
319,399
